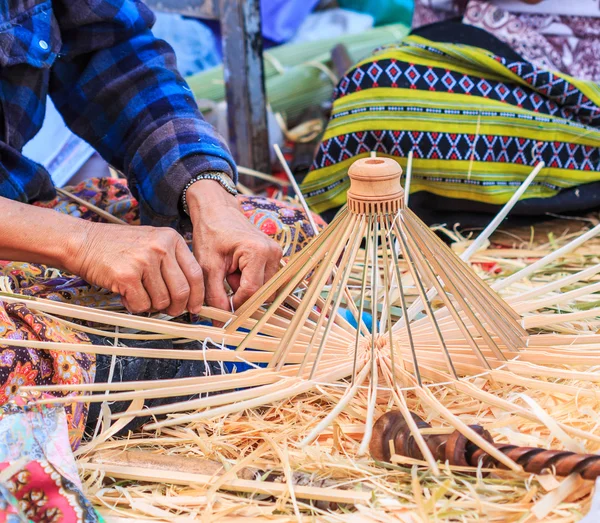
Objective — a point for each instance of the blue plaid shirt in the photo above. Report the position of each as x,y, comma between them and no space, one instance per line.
116,86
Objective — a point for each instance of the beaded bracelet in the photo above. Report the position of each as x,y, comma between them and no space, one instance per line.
220,177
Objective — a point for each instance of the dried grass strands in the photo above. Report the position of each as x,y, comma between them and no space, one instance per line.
503,496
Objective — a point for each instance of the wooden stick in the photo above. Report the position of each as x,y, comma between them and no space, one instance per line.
262,176
503,213
100,212
297,190
409,164
175,464
556,285
234,485
530,269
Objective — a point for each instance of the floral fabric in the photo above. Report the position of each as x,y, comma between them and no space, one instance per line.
45,486
21,366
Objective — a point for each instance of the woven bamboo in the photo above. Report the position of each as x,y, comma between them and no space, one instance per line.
434,323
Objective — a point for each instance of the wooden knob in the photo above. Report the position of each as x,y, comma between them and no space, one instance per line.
375,186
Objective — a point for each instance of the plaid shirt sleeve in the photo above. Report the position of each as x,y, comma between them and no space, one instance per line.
117,86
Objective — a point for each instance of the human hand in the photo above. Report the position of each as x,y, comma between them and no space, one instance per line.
227,246
151,268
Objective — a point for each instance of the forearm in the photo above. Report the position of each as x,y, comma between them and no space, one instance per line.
117,86
36,235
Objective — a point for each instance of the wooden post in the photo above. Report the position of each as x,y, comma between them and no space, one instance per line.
245,85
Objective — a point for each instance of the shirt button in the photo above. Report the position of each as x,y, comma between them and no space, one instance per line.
43,44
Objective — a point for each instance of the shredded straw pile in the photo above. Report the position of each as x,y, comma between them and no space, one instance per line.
249,466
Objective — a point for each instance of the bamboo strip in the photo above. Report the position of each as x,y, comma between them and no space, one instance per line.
546,260
100,212
235,485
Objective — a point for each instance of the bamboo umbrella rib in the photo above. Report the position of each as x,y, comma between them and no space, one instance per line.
529,306
488,231
295,268
168,392
135,385
409,332
289,287
370,418
425,263
320,277
414,430
285,391
335,296
228,398
545,320
194,355
388,277
423,296
462,267
238,398
361,306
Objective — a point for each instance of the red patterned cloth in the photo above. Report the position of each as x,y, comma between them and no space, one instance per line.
44,486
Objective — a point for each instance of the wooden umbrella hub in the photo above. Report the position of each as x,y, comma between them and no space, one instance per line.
375,186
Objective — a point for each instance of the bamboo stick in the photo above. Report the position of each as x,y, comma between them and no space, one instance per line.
235,485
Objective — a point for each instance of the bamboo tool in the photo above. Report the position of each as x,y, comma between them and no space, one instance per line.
392,434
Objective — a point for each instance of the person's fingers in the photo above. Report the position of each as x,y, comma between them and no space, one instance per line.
135,298
177,285
214,288
273,262
156,288
194,276
234,280
252,279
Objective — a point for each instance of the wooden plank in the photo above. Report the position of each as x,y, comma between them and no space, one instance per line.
245,85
